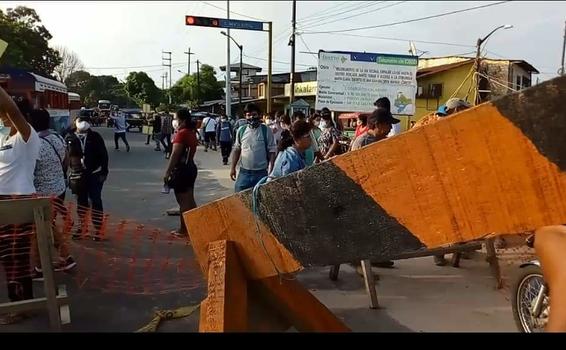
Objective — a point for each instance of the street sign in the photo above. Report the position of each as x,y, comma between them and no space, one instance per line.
223,23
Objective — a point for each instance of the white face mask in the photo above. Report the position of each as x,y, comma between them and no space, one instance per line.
82,126
175,124
323,124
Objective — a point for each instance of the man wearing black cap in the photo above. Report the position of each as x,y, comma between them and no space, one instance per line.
379,125
89,169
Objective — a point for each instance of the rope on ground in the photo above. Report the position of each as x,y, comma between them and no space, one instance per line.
166,315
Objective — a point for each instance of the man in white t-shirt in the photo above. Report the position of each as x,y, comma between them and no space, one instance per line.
19,150
209,127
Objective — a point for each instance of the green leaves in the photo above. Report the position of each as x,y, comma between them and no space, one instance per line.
28,42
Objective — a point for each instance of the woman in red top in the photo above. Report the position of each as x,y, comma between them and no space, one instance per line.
361,124
181,172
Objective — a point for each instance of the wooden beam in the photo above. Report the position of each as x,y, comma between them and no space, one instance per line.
494,169
225,308
31,304
288,297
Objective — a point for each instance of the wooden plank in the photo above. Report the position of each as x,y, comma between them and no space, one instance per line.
31,305
44,241
20,211
493,263
298,305
369,282
225,308
443,183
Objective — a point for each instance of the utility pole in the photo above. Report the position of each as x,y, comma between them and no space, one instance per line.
198,83
228,82
561,71
292,43
269,66
163,81
189,61
166,62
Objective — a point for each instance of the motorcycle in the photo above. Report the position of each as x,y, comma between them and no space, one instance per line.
530,298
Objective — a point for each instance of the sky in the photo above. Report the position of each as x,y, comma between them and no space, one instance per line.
117,37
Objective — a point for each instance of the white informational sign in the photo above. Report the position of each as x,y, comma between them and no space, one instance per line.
352,81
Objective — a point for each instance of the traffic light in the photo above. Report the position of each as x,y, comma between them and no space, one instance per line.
202,21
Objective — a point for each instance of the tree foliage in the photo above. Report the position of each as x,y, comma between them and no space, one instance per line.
141,88
186,90
27,42
103,87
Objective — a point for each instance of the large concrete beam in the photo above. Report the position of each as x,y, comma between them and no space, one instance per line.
496,168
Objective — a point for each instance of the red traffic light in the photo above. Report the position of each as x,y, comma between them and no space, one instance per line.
202,21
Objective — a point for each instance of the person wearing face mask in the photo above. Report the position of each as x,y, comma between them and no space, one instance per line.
224,136
181,172
274,123
19,151
329,139
254,151
89,170
120,129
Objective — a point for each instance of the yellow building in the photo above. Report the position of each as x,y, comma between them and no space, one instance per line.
439,78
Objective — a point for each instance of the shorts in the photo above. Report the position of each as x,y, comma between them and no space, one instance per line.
187,179
210,136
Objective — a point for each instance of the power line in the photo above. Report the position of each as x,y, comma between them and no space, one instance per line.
274,61
393,39
133,67
236,13
308,48
366,10
344,4
356,7
412,20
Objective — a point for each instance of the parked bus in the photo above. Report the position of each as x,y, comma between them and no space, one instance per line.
74,105
41,92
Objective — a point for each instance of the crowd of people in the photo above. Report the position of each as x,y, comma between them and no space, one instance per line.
36,161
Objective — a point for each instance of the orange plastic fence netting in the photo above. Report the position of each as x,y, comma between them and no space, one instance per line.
112,255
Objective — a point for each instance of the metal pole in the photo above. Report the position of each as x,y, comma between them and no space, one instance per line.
228,83
292,78
240,89
477,70
269,66
189,53
563,51
198,83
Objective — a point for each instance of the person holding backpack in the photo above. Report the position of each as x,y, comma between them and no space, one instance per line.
254,151
224,136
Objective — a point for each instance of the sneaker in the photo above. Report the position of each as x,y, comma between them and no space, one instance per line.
165,189
65,265
127,148
157,149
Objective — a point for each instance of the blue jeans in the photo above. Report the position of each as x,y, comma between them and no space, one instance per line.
248,178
